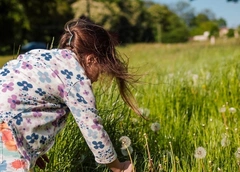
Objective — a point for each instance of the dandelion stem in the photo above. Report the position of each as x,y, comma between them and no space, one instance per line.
130,157
224,119
149,155
173,159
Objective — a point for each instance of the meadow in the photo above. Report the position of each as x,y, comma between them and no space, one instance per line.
189,94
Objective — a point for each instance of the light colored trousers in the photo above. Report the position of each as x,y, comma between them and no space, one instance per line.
10,159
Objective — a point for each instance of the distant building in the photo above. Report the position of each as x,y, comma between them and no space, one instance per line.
223,32
203,37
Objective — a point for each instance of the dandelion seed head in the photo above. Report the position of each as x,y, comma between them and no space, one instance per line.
127,151
225,141
144,112
237,153
126,141
155,126
134,120
222,109
200,153
232,110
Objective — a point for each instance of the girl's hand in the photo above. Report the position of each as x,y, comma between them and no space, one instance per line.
41,161
127,166
117,166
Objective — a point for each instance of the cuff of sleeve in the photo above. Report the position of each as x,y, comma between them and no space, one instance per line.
106,157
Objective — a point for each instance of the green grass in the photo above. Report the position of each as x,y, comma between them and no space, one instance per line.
184,87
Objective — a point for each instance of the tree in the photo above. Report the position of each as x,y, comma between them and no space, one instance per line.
127,19
184,10
168,27
46,19
13,22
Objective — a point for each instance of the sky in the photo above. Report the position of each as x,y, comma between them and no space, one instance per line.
229,11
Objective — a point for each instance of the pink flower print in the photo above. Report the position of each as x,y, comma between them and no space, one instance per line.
7,87
61,89
85,92
20,56
66,54
16,71
25,65
13,101
37,114
55,73
96,125
60,112
29,120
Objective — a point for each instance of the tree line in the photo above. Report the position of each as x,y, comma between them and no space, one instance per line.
131,21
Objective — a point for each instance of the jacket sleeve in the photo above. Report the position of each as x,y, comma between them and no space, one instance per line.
81,102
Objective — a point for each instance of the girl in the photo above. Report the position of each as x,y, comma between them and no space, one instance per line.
41,87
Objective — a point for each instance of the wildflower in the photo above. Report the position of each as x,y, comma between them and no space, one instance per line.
126,151
144,112
225,141
195,79
222,109
155,126
126,142
134,120
200,153
237,153
232,110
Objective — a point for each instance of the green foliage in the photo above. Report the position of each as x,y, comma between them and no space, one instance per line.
172,29
13,20
230,33
26,21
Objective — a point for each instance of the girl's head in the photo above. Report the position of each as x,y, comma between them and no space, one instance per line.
95,50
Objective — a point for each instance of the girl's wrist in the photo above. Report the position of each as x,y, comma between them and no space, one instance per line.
116,166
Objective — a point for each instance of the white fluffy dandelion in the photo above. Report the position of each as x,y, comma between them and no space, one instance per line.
225,141
200,153
232,110
155,126
222,109
237,153
126,141
127,151
144,112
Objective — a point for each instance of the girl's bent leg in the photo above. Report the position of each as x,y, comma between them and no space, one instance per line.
10,159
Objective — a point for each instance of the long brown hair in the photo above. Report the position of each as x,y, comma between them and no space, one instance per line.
84,37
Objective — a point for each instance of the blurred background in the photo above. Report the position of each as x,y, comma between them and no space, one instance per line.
167,21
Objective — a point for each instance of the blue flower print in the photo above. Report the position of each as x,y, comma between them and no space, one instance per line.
92,134
43,140
3,165
76,111
47,56
79,77
44,77
40,92
67,73
5,72
25,85
98,145
81,99
32,138
19,119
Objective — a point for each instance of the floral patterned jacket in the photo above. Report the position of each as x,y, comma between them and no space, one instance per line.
38,90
